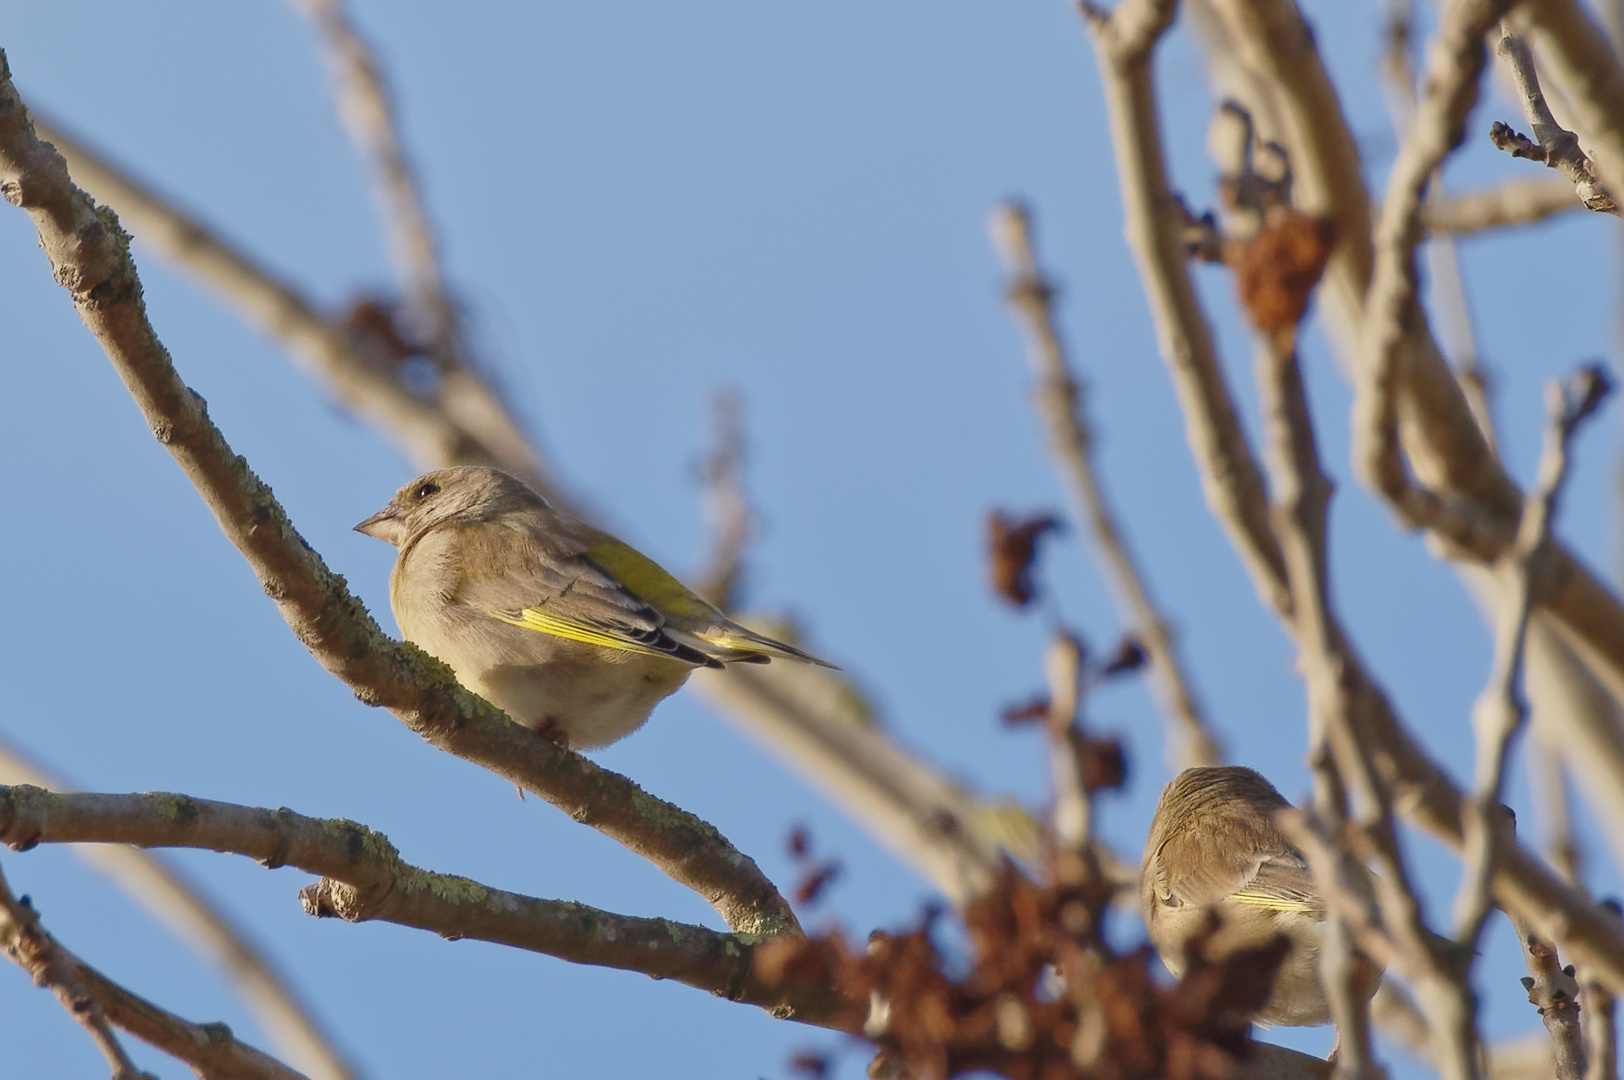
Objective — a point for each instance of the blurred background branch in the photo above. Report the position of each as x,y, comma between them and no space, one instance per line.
180,904
95,1001
1059,403
1291,203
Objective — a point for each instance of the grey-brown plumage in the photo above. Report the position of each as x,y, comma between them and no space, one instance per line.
1213,846
565,628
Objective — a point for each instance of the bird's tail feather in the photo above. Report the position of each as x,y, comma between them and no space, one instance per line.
737,645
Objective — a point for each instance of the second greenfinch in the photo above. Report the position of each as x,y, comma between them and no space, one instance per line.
568,630
1214,847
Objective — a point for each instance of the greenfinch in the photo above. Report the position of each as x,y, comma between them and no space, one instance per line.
568,630
1214,847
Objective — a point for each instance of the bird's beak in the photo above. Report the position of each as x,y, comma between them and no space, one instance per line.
385,525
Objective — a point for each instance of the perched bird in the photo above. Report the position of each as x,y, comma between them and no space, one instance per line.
1214,846
565,628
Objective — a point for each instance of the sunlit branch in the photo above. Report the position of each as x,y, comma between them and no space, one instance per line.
89,256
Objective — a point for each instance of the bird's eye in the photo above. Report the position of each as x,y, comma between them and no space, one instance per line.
425,490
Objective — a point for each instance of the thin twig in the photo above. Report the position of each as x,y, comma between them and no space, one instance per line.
368,110
1427,797
1440,980
1560,690
1394,936
27,944
818,725
1059,402
1514,202
1549,789
1154,224
161,888
1553,144
907,818
1272,44
732,523
1063,663
364,877
1302,495
1554,991
1448,287
1400,1018
1393,316
824,727
211,1050
1601,1018
1500,711
89,255
348,362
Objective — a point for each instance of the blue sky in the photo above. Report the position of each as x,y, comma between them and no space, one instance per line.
642,203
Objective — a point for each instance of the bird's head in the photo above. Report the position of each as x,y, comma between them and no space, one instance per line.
460,493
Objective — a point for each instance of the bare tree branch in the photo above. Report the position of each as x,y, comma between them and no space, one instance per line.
1059,402
1499,713
1577,56
732,523
178,903
350,363
1514,202
1274,45
1570,709
1552,143
822,725
1601,1019
1555,993
1459,341
1399,1017
1154,224
910,819
1548,787
1498,716
1072,816
53,967
368,112
89,256
1267,50
1302,495
1423,792
94,1000
1393,317
364,877
813,721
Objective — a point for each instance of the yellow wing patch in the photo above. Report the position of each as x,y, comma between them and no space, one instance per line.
546,622
1274,902
648,579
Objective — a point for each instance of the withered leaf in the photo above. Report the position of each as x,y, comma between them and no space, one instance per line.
1011,551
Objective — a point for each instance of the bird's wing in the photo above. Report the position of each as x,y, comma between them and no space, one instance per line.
688,613
1258,870
1282,882
542,585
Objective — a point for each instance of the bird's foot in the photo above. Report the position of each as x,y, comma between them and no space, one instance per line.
551,730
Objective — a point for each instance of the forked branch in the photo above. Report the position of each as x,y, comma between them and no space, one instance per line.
89,255
363,877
